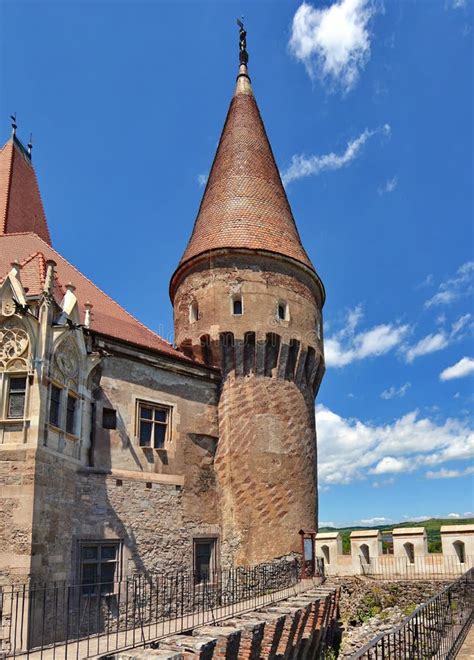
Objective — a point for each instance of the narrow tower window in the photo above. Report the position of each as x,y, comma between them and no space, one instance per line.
193,312
206,349
282,311
249,353
237,307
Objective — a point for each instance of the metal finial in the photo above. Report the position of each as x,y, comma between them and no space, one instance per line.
14,124
243,55
30,145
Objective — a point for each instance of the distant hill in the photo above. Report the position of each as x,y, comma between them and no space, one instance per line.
432,526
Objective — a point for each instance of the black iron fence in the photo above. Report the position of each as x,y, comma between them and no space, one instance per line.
433,566
435,630
60,620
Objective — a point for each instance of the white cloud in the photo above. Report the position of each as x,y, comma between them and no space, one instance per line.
439,340
461,323
454,515
383,482
448,474
455,287
428,281
465,367
350,449
333,42
389,464
429,344
347,346
329,523
458,4
376,520
417,518
389,186
393,392
202,179
302,165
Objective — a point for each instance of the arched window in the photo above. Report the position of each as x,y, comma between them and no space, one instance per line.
193,312
460,549
14,357
365,553
237,306
326,554
410,551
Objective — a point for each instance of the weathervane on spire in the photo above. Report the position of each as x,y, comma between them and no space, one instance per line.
14,124
243,55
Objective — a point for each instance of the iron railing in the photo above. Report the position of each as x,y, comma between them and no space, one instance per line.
433,566
435,630
61,620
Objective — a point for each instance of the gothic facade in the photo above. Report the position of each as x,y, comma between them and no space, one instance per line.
121,453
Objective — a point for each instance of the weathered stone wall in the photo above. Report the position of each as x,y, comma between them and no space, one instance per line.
368,607
266,455
261,286
265,466
17,469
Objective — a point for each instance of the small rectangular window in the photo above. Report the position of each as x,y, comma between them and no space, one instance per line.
237,306
204,559
55,405
109,418
71,414
153,425
16,397
99,567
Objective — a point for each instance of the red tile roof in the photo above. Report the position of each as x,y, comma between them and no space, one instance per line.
244,204
108,318
21,208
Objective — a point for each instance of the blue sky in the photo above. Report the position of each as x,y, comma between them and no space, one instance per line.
368,106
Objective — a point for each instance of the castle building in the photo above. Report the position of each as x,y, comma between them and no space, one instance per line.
121,453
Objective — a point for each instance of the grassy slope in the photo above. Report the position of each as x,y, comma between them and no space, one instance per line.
432,527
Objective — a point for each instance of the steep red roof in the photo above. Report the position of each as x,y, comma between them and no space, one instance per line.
21,208
244,203
108,318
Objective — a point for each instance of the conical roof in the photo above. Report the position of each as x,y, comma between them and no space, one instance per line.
244,204
21,208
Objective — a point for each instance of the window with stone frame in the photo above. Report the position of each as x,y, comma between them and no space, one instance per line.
16,397
100,566
205,559
55,400
153,425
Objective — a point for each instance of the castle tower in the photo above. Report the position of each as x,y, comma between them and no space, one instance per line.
247,299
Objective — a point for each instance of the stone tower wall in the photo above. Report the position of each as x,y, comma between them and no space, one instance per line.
266,456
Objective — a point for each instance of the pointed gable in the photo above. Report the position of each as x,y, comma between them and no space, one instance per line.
244,203
21,208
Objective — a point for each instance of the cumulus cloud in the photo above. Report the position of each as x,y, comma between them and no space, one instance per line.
448,474
333,42
465,367
393,392
347,345
389,186
302,165
458,286
350,449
